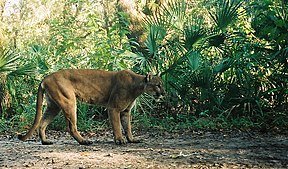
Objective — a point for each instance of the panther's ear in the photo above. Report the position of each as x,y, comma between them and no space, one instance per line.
148,77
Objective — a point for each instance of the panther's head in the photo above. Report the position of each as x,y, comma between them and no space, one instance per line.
154,86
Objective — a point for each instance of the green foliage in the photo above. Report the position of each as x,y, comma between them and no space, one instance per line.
271,22
219,70
73,40
11,66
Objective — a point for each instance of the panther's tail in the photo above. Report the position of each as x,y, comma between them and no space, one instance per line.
38,115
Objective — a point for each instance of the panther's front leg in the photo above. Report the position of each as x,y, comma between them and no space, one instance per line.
126,124
114,116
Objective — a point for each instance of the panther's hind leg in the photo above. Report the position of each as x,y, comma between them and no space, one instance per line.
50,113
69,108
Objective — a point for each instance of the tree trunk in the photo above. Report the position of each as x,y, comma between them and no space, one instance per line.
137,31
137,25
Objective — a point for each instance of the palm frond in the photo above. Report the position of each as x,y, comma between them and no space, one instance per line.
23,70
170,14
140,62
201,78
176,12
8,60
155,37
156,19
194,60
224,65
226,13
193,33
9,63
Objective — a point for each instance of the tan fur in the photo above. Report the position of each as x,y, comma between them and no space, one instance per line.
116,91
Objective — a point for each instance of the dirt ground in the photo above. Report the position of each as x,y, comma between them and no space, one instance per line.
195,149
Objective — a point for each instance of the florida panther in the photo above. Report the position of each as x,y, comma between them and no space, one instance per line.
116,91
